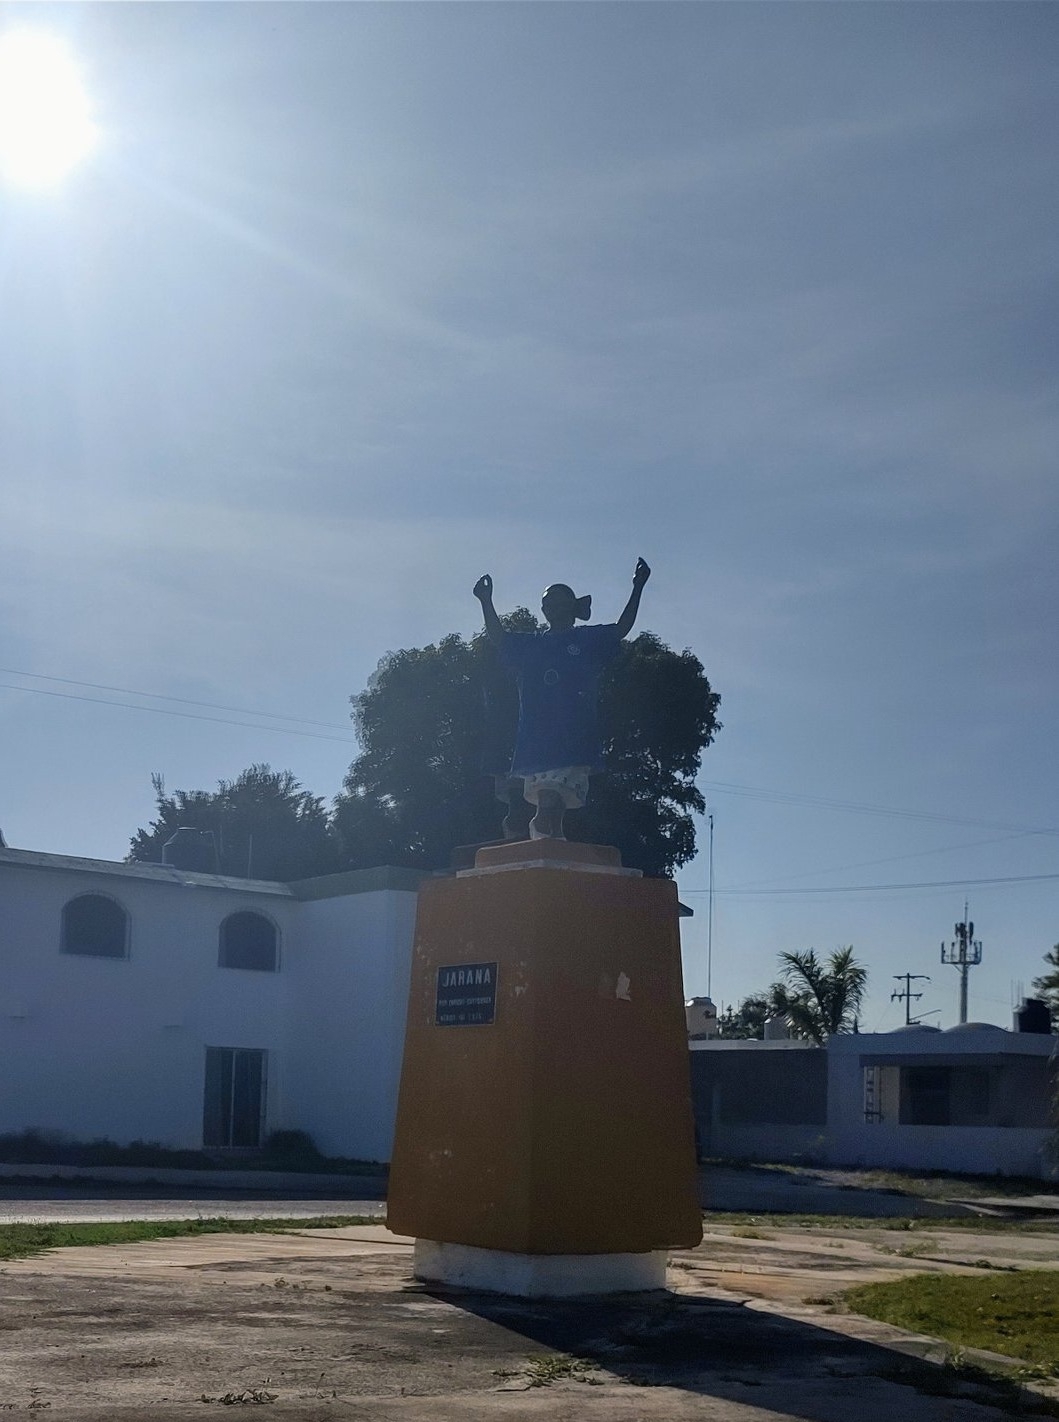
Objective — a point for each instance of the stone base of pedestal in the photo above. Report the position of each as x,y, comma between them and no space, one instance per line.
538,1276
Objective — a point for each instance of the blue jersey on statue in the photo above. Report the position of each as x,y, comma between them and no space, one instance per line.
558,679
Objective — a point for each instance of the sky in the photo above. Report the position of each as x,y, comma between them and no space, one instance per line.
351,303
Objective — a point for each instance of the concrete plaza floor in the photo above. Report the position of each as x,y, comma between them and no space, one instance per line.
328,1324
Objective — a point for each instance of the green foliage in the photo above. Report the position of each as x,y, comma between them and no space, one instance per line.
821,999
432,723
748,1019
657,715
283,1150
818,999
1016,1314
436,724
265,826
1047,985
291,1148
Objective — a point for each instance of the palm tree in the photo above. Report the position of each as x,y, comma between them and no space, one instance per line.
1047,986
820,999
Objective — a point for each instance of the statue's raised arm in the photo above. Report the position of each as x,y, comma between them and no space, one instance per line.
483,591
639,579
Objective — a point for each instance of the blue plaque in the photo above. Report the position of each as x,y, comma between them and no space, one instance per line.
466,995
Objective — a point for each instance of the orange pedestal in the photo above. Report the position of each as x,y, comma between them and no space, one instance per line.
562,1126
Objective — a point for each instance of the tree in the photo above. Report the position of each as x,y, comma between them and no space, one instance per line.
820,999
1047,986
748,1019
437,723
817,999
264,824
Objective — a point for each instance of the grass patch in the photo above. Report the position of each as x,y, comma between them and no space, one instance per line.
713,1220
926,1184
1015,1314
18,1241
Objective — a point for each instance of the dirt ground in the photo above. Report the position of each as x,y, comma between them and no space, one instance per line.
329,1324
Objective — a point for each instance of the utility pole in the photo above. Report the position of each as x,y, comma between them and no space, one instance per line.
709,920
964,953
906,997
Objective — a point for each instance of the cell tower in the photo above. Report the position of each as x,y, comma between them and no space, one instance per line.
964,953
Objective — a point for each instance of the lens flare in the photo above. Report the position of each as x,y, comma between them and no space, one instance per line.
46,125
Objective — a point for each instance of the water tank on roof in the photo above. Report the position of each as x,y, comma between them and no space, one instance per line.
1033,1016
777,1029
701,1017
191,849
975,1027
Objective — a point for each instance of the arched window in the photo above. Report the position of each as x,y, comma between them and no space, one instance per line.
96,926
248,940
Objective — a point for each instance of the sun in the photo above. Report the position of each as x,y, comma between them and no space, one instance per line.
46,125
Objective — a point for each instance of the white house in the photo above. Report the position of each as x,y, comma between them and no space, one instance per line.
975,1098
146,1002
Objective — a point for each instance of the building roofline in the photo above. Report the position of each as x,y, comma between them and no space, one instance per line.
325,886
163,873
359,881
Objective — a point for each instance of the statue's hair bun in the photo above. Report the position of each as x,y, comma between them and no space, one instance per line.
583,608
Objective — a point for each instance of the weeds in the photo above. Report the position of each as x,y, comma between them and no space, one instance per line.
553,1367
248,1395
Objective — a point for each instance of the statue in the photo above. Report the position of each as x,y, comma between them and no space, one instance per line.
558,670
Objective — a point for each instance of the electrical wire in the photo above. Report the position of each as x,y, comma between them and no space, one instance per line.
876,888
161,696
757,792
184,715
888,859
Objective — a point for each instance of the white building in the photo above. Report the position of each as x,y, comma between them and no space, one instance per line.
144,1002
975,1099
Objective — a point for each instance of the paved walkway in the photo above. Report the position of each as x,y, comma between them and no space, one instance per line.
127,1194
328,1324
36,1209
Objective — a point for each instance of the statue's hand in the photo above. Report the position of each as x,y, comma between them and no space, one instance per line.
642,573
483,588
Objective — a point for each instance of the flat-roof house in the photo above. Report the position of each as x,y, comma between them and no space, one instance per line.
975,1098
142,1001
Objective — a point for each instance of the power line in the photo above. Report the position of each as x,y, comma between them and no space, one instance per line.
184,715
878,888
757,792
161,696
887,859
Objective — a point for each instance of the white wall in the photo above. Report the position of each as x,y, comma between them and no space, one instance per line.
346,1018
972,1150
116,1047
984,1149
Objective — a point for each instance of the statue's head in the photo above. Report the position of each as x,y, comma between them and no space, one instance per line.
562,607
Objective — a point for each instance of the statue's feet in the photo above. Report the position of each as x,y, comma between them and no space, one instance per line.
515,824
547,823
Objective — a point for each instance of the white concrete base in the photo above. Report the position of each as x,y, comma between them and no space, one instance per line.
538,1276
